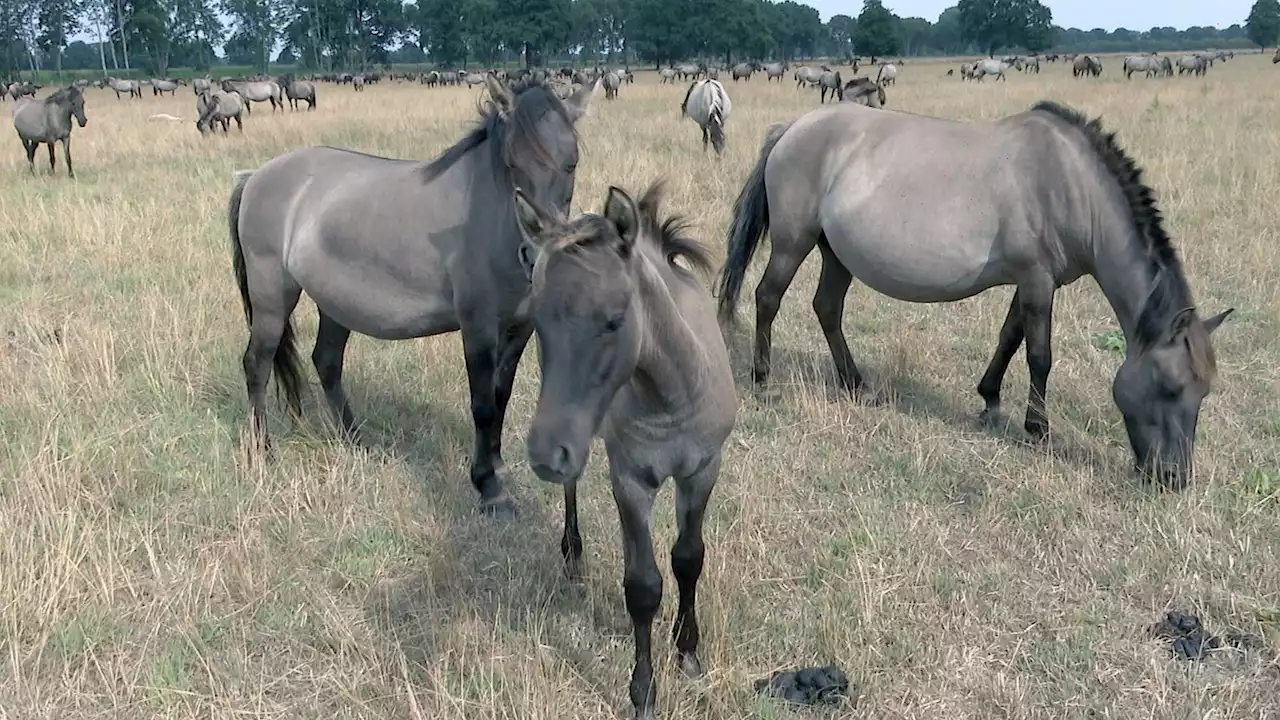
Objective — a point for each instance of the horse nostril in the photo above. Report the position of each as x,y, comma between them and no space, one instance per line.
562,460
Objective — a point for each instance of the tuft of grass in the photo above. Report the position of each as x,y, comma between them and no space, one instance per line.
146,570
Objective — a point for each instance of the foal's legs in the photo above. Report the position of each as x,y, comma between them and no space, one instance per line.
1037,312
31,148
789,251
481,349
52,157
328,355
828,305
641,579
692,494
66,151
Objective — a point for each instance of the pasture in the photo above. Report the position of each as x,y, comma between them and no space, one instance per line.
952,570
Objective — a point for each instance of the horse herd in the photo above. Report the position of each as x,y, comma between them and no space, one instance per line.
629,341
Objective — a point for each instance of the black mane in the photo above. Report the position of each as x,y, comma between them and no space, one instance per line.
671,233
519,128
1170,293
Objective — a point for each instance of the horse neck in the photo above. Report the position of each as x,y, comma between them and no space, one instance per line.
671,369
1125,271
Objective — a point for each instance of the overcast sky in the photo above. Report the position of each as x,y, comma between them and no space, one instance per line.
1083,14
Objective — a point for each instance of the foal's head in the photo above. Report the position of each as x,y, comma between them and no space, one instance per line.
588,321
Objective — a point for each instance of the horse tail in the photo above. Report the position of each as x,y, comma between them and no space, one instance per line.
839,88
286,363
715,118
750,223
684,106
879,73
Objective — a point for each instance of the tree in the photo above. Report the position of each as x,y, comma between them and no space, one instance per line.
840,30
254,31
1263,25
534,26
58,20
993,24
878,31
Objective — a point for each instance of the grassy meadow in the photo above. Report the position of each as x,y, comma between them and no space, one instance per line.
147,571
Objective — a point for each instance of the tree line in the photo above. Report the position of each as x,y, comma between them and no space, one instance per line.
153,36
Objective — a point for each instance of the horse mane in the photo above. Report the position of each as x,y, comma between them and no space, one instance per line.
516,129
671,233
64,94
1170,293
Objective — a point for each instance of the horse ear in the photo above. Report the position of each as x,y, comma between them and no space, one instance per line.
500,94
1180,322
1212,323
533,222
620,210
578,102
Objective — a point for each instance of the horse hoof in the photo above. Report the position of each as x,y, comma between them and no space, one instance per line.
573,571
991,417
501,508
1037,430
689,665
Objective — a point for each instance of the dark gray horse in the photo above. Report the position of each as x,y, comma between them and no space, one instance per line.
295,90
629,351
1060,199
438,255
830,82
48,121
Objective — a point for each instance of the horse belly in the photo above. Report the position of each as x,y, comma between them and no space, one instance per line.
922,266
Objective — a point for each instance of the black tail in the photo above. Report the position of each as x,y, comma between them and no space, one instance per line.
287,366
750,223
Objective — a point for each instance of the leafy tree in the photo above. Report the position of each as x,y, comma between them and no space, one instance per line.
916,34
993,24
58,19
796,29
840,30
878,30
254,31
194,30
1263,25
534,26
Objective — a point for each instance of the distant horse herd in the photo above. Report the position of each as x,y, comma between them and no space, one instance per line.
629,348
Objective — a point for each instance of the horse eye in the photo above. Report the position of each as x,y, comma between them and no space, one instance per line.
613,324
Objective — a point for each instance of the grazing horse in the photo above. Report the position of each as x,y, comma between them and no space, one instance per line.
1034,200
253,91
990,66
1146,64
48,121
775,71
966,71
1166,66
864,91
743,71
1193,64
707,103
629,351
1086,66
295,90
303,222
887,75
611,83
132,87
219,106
830,81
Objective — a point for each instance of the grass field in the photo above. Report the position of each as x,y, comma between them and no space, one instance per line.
146,571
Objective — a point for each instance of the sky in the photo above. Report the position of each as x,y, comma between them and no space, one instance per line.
1083,14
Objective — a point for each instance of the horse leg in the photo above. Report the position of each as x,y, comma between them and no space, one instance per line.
571,541
266,331
328,355
480,349
66,152
510,350
704,139
1012,333
1037,316
787,256
828,305
31,148
692,494
52,156
641,579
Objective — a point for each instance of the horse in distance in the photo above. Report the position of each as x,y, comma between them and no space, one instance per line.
219,108
830,82
256,91
295,90
1063,200
457,270
629,351
707,103
48,121
864,91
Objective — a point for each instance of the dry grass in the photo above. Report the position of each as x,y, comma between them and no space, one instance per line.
954,572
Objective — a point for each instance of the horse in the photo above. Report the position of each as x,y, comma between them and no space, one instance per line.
887,75
1147,64
743,71
1086,65
806,75
295,90
48,121
1035,200
611,83
457,270
131,87
707,103
775,71
668,75
199,85
357,83
989,66
160,87
1193,64
1166,66
253,91
830,81
219,106
864,91
1276,58
629,351
966,71
19,90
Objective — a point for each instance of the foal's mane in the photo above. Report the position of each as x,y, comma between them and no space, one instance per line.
1170,293
518,128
